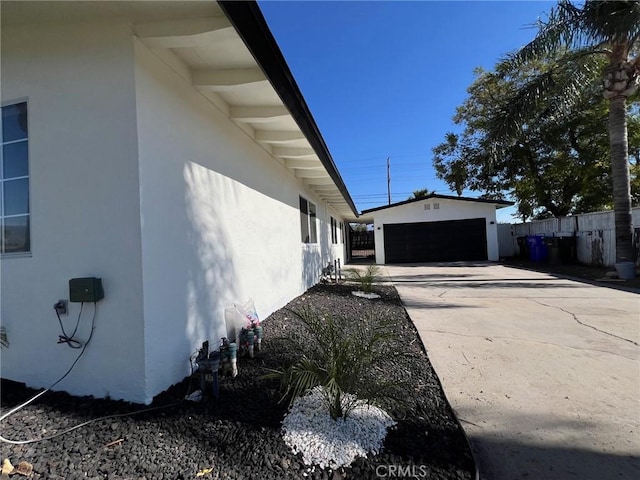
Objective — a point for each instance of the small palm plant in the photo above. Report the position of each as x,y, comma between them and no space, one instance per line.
341,356
366,278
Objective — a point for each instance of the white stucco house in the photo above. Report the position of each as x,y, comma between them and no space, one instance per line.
164,148
435,228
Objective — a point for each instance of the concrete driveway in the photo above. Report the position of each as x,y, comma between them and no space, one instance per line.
544,373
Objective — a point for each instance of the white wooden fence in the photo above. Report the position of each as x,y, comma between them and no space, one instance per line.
594,232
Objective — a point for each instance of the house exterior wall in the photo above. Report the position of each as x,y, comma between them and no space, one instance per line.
137,179
220,222
448,210
78,79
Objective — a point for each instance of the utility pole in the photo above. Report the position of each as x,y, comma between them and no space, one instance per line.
388,181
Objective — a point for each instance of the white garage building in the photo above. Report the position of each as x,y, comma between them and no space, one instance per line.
436,228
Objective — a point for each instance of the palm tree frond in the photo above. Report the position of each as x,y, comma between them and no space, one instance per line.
365,277
611,21
341,356
569,27
300,378
558,88
559,31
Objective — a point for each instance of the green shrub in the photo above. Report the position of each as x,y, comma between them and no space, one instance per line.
366,278
341,356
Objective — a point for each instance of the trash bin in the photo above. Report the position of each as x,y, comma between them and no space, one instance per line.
523,253
531,246
568,250
538,251
553,248
626,270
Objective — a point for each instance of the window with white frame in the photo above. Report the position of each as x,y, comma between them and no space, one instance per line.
308,227
14,180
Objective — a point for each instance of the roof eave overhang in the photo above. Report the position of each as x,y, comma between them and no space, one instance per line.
498,203
225,52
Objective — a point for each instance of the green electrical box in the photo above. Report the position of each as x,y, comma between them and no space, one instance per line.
87,290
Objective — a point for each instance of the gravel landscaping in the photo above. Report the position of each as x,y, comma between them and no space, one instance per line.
238,435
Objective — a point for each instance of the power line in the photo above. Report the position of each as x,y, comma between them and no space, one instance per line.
383,157
383,166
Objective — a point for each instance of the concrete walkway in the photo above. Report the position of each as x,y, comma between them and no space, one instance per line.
544,373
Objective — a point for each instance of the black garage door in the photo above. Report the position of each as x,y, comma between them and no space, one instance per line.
448,241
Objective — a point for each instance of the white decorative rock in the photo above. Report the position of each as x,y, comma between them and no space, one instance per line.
359,293
309,429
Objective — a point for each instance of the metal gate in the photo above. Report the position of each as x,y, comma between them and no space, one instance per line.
362,243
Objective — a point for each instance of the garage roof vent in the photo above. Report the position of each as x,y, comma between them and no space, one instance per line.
436,206
427,206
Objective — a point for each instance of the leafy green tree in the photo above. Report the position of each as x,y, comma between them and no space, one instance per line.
421,193
580,37
556,166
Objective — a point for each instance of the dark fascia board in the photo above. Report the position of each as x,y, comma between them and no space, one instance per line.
250,24
497,203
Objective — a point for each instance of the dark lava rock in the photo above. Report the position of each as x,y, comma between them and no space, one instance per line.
237,435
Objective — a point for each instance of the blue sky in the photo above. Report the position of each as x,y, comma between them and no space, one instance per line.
383,79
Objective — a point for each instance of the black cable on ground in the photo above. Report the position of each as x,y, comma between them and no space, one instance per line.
38,395
69,430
